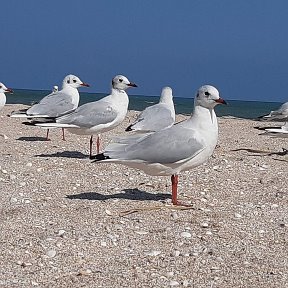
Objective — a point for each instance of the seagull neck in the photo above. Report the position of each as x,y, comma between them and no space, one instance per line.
203,114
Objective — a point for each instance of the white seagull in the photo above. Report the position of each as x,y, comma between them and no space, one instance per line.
3,90
99,116
167,152
55,104
281,132
280,114
156,117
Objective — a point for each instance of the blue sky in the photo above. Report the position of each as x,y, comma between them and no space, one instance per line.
239,46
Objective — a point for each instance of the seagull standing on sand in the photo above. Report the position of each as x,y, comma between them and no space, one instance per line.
280,114
3,90
167,152
156,117
55,104
99,116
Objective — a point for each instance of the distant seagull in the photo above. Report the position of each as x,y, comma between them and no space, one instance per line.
56,104
167,152
55,89
3,90
99,116
281,132
156,117
280,114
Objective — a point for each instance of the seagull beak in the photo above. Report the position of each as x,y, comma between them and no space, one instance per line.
132,85
8,90
85,84
221,101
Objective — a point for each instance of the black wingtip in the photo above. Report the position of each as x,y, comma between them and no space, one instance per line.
129,128
99,157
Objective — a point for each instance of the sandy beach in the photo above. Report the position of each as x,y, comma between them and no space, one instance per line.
67,222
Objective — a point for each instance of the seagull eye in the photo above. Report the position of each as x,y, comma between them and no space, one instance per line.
120,80
207,93
74,80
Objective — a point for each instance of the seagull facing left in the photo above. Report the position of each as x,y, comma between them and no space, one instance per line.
167,152
3,90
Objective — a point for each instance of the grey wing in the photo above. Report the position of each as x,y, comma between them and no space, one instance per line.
154,118
90,115
166,146
52,105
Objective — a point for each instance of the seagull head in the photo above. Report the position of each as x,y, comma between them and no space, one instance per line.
4,89
122,83
208,96
166,94
73,81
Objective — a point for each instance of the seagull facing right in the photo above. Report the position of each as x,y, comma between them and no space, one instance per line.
167,152
3,90
156,117
55,104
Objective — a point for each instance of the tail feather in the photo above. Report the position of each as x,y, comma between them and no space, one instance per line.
99,157
129,128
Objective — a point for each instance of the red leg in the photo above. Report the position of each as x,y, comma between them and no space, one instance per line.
174,180
98,144
63,135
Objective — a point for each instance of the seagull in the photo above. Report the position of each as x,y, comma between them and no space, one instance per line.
99,116
3,90
55,104
156,117
281,132
55,88
280,114
167,152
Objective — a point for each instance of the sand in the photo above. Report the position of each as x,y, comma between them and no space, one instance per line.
67,222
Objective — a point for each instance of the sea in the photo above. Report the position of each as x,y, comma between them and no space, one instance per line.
235,108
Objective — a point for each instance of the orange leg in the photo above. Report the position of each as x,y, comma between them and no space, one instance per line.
63,135
174,180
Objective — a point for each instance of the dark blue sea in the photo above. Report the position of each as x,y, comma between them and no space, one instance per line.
235,108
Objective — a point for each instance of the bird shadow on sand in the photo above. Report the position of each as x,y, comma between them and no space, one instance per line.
130,194
65,154
32,139
256,152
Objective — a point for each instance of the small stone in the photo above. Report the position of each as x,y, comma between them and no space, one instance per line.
153,253
204,225
51,253
170,274
29,164
174,283
186,234
84,272
103,243
4,171
185,283
61,232
175,253
108,212
209,233
141,232
13,200
237,215
12,177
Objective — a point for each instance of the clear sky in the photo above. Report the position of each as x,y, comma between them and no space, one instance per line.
239,46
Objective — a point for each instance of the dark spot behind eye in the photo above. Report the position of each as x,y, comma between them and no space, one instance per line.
68,81
207,93
120,80
0,87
